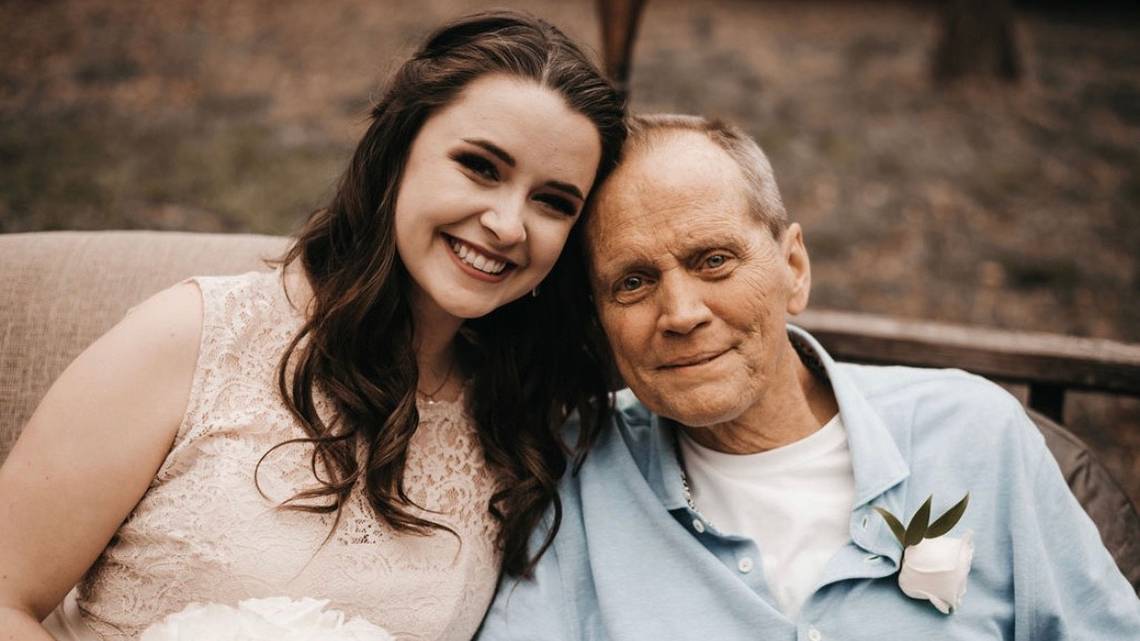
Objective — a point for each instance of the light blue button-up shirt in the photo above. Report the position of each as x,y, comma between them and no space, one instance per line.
632,561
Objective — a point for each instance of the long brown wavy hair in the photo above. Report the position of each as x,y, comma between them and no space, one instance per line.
530,362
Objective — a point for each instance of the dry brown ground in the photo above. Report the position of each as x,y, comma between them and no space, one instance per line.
1007,207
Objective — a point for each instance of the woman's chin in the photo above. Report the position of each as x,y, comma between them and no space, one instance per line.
461,300
468,310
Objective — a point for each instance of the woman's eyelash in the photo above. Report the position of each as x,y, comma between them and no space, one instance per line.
560,204
478,165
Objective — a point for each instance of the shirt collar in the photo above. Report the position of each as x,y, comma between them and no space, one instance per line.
876,458
664,471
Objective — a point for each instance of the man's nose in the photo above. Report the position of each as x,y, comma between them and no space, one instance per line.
505,220
682,306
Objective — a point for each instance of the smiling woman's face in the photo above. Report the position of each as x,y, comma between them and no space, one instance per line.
492,186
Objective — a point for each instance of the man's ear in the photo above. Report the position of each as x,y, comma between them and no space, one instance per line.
799,268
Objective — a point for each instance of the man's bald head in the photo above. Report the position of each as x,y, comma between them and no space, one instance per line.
759,183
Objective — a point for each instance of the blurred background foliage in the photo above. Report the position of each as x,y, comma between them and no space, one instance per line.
981,201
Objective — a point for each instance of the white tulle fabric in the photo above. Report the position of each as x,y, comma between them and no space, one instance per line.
203,533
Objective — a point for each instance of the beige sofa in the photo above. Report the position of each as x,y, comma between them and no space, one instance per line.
61,290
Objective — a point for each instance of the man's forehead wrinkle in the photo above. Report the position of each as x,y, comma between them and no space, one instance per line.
631,199
622,243
663,241
641,224
665,202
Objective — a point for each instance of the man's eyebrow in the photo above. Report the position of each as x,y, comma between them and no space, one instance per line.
631,258
492,148
623,262
502,155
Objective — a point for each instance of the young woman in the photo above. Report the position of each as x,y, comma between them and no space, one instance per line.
374,423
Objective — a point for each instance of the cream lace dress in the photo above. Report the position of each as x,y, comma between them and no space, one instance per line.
203,533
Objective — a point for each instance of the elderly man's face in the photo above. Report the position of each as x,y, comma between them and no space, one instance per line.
692,290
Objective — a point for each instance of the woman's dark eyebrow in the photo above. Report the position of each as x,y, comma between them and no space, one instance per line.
569,189
492,148
502,155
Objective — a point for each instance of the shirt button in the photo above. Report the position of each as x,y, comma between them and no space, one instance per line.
744,565
814,635
699,526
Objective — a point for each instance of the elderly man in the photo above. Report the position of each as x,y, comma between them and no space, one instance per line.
757,489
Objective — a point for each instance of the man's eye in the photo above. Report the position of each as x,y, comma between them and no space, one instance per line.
716,260
631,283
478,165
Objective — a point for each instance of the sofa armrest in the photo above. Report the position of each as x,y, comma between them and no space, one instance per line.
62,290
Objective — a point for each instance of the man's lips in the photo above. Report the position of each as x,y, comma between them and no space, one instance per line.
692,360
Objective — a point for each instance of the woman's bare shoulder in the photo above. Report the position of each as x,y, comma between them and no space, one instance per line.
170,320
93,445
134,381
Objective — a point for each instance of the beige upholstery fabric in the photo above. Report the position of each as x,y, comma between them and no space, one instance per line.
59,291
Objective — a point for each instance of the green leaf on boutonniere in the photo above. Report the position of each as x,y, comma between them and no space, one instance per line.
948,520
916,529
893,523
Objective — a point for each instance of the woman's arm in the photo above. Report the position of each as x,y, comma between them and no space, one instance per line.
89,453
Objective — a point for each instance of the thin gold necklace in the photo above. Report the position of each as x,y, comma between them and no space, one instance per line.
430,397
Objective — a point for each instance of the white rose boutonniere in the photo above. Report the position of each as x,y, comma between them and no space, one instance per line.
271,619
934,566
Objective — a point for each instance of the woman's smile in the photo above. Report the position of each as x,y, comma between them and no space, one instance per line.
478,262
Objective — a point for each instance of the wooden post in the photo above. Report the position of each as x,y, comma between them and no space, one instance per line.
619,20
1049,400
976,40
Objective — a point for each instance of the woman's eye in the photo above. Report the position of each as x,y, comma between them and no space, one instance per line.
478,165
561,205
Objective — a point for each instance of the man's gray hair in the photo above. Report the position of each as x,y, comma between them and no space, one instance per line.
763,194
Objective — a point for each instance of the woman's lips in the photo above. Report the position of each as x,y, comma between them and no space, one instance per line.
478,262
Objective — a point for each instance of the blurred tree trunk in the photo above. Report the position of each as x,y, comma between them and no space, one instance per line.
619,20
976,40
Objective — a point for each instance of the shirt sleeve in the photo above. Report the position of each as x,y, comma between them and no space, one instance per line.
529,609
1067,584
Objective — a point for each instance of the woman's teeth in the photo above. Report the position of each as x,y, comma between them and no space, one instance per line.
469,255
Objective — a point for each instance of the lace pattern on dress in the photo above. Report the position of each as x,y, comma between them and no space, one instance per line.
202,532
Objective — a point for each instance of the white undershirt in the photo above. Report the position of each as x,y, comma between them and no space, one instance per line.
793,501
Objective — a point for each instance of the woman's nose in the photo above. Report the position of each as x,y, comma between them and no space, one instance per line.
505,220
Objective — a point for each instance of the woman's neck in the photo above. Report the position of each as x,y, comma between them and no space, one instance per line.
434,331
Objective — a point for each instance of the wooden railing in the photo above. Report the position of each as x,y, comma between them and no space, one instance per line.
1048,364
